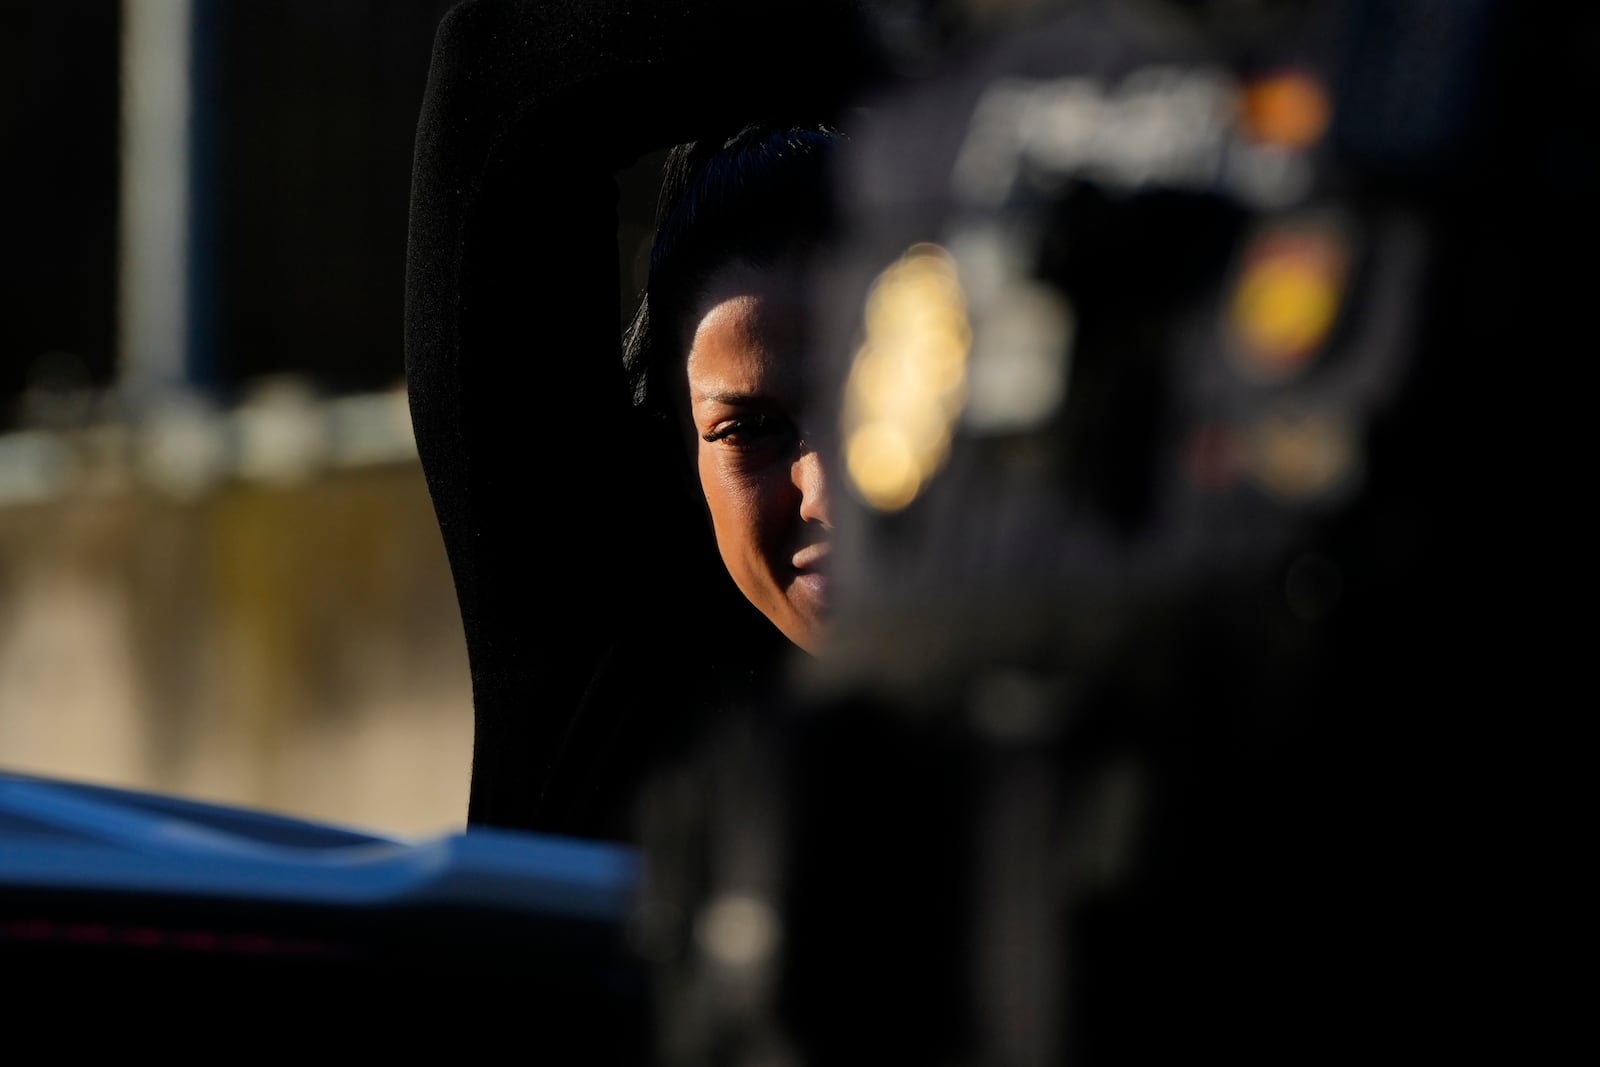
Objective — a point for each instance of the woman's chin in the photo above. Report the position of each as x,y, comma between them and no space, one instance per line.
805,623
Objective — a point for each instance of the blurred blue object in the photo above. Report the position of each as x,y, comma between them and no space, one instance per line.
61,834
110,892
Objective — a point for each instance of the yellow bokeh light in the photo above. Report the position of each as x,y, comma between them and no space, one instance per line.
907,384
1300,456
883,466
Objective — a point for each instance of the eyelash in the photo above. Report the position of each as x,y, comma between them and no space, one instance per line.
763,427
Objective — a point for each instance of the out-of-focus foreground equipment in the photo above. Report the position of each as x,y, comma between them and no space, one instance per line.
111,895
1159,338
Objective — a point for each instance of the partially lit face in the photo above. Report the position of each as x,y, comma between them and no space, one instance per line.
764,483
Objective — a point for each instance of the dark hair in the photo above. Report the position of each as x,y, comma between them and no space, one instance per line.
754,197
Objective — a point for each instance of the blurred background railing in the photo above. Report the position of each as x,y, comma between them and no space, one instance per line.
220,573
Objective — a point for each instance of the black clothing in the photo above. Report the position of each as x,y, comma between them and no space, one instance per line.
583,568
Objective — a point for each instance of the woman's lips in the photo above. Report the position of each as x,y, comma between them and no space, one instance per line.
812,558
811,575
811,586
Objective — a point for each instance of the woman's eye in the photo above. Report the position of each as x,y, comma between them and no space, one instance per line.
752,431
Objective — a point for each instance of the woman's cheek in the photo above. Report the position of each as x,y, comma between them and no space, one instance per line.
727,491
747,488
747,499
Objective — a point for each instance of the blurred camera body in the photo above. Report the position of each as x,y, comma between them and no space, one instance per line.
1144,334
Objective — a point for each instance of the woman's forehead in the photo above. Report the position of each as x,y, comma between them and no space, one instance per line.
742,348
748,332
771,296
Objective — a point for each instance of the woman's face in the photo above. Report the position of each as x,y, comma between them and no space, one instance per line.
764,483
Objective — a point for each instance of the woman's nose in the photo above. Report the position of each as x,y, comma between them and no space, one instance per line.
811,478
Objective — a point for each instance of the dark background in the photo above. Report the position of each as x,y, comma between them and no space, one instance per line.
58,138
302,131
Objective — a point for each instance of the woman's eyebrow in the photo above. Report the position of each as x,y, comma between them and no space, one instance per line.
736,399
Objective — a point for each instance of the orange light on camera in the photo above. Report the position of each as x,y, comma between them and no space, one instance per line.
1289,108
